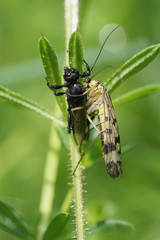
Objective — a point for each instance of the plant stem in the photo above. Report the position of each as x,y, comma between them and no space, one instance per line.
78,194
49,180
71,24
71,20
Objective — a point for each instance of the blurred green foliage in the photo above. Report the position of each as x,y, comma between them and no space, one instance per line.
24,136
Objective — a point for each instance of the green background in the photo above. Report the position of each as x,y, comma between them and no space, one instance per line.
24,135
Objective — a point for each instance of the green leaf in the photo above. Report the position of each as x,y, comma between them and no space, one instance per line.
64,136
132,66
56,226
75,49
50,61
12,223
105,226
50,64
136,93
17,99
66,205
128,147
108,226
91,160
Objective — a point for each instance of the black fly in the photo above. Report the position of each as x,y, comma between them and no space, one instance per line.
77,121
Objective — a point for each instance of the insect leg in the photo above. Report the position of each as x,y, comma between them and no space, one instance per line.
85,152
54,87
94,126
87,66
82,154
59,94
77,108
69,121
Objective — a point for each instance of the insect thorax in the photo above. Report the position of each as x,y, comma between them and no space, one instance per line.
75,89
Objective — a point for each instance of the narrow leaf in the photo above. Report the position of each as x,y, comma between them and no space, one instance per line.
108,226
50,61
64,137
104,227
56,226
67,200
17,99
50,64
128,147
75,49
12,223
91,161
132,66
136,93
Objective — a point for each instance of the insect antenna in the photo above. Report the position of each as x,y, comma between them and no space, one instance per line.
109,66
103,47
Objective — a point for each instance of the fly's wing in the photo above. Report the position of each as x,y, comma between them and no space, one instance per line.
111,148
77,119
80,125
79,122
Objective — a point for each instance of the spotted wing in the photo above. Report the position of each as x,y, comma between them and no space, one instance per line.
111,149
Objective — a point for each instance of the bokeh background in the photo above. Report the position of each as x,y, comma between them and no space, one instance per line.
24,135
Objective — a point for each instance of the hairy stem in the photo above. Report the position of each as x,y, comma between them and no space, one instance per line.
71,24
78,195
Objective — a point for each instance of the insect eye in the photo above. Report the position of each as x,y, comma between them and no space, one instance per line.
67,71
73,70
